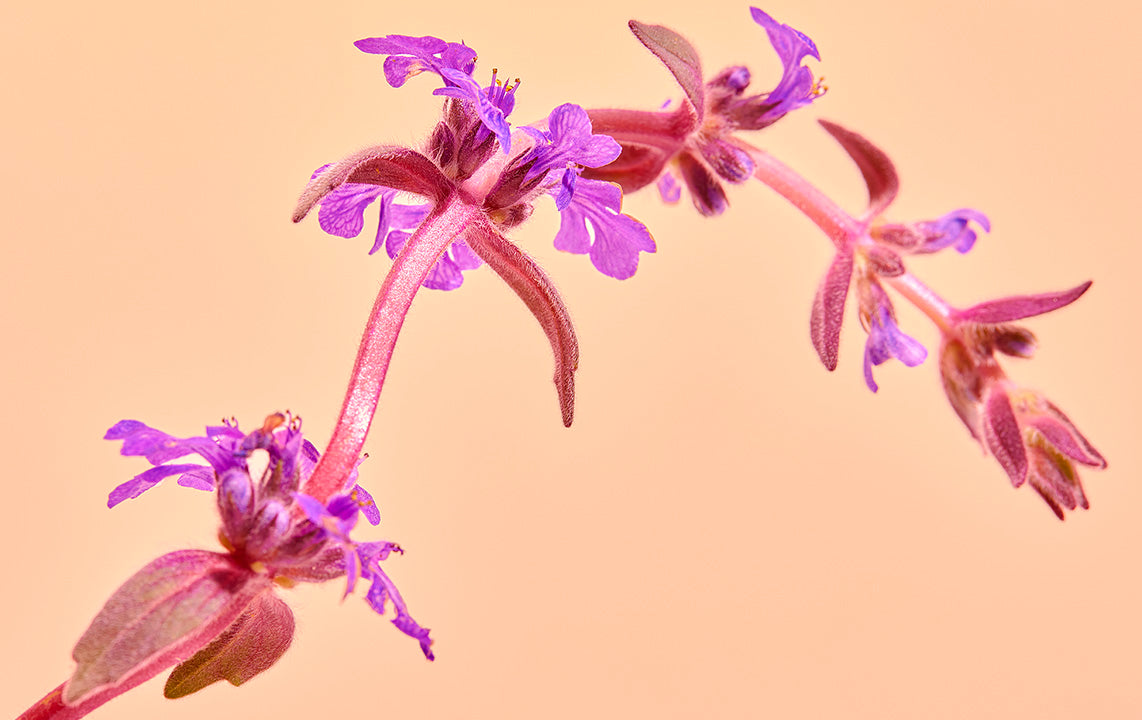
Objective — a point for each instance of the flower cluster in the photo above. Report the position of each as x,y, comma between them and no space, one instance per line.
1030,437
697,140
469,154
445,208
215,615
700,142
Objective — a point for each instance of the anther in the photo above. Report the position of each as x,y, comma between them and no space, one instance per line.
272,422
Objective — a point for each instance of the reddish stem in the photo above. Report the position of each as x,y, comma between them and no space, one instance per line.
52,707
923,297
841,228
447,222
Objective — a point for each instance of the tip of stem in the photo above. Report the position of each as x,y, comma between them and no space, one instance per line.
565,386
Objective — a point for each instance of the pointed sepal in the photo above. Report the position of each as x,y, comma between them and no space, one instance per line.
392,167
164,614
679,57
1003,436
1018,307
256,640
829,309
537,291
877,170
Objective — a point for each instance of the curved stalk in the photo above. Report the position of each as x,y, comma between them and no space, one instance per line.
409,270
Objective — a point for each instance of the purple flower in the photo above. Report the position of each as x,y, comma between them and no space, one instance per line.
592,223
879,248
473,195
454,63
342,213
567,144
669,188
797,86
269,527
886,340
929,236
1031,438
493,104
409,56
698,139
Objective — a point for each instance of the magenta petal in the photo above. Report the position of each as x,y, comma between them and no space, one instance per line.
1018,307
146,480
368,506
155,445
875,167
164,614
256,640
342,211
669,188
315,511
444,275
1001,430
491,115
382,592
829,309
463,256
200,478
568,141
614,240
679,57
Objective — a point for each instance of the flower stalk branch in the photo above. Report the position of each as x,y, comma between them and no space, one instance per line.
698,145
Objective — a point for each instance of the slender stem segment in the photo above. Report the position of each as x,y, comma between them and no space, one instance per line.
52,707
923,297
409,270
841,228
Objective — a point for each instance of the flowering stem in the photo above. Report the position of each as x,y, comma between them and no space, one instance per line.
52,707
447,221
837,224
842,229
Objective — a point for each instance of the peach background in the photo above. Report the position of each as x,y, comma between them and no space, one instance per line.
728,530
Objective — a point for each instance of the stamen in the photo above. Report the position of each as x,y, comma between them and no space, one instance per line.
272,422
819,87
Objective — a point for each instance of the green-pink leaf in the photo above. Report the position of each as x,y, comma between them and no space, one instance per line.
537,291
877,170
164,614
255,641
679,57
828,312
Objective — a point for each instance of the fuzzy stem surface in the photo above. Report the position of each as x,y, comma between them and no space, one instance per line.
447,222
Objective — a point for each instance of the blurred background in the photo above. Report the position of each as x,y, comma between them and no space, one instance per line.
728,530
